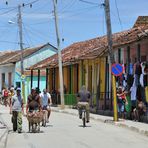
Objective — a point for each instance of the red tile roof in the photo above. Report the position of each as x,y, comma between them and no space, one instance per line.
93,48
15,56
141,21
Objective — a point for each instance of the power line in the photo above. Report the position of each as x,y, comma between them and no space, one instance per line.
27,34
8,11
10,42
16,38
23,5
88,2
35,33
30,4
7,8
80,12
68,6
118,15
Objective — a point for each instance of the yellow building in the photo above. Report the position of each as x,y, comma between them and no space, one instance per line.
87,63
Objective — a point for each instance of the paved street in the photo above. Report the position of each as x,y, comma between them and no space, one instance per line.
66,131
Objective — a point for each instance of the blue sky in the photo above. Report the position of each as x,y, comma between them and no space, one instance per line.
78,21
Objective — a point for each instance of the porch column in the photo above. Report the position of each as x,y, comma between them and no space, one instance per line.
86,79
54,76
106,83
93,82
47,72
77,77
71,79
138,52
31,78
128,58
38,79
119,55
82,73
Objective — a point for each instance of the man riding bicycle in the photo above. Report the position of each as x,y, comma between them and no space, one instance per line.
46,102
83,101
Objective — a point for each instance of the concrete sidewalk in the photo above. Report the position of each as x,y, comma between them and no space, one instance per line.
3,127
138,127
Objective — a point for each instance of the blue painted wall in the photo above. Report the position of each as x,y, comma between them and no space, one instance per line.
29,61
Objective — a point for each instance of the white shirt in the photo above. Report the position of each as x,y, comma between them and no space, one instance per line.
44,98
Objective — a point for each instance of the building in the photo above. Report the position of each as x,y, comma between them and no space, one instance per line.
10,66
87,63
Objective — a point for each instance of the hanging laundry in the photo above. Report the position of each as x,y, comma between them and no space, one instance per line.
131,69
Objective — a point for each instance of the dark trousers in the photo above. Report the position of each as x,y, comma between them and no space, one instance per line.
17,120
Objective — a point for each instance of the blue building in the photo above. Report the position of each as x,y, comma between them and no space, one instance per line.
10,67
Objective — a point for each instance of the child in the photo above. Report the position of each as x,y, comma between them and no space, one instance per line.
121,101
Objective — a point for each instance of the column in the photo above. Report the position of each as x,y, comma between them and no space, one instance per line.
38,79
138,52
47,72
31,78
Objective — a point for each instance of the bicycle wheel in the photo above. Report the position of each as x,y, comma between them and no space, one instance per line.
84,119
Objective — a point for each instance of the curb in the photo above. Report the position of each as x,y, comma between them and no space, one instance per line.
111,122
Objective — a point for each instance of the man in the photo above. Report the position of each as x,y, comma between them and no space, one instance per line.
11,94
17,110
46,101
33,101
83,100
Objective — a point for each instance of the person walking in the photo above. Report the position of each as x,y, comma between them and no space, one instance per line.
17,110
46,102
83,101
5,93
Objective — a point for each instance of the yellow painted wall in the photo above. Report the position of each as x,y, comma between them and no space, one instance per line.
65,77
102,74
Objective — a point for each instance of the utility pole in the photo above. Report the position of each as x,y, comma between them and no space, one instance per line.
21,47
59,55
110,43
109,30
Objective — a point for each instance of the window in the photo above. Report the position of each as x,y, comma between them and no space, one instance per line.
18,84
3,79
9,79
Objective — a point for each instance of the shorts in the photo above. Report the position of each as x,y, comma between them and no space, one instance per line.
134,104
121,107
46,107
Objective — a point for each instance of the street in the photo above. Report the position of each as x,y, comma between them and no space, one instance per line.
66,131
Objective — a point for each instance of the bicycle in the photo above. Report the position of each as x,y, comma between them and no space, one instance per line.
83,110
45,117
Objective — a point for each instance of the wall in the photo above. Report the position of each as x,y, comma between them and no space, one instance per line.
36,57
6,69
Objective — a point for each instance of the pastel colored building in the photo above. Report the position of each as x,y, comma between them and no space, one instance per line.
88,63
10,65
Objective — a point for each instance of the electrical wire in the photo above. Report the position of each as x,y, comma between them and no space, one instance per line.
27,35
16,38
7,8
10,42
103,22
81,12
8,11
88,2
39,23
68,6
118,15
42,6
35,33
